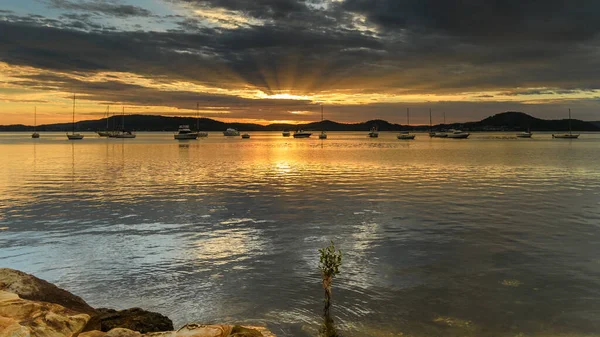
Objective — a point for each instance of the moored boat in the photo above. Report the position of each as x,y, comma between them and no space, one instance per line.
286,133
73,135
458,134
569,135
301,134
184,132
245,136
231,132
374,133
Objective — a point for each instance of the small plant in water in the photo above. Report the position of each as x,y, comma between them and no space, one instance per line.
329,264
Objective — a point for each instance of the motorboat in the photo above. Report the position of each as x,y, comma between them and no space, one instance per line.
231,132
405,136
440,134
374,133
245,136
301,134
123,134
323,135
458,134
73,135
524,134
286,133
569,135
184,132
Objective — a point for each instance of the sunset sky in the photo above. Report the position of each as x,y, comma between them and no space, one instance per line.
276,60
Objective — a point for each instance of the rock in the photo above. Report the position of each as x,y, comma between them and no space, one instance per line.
21,317
93,333
196,330
29,287
240,331
134,319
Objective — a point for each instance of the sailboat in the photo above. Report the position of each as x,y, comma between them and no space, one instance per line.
73,135
123,133
200,134
105,133
405,135
569,135
431,133
323,134
439,134
35,134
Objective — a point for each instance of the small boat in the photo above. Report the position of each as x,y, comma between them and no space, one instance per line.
73,135
198,132
405,135
231,132
35,134
245,136
123,133
301,134
105,133
457,134
569,135
374,133
524,134
440,134
184,132
323,134
286,133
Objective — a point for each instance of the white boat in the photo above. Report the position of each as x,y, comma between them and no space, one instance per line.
569,135
323,134
405,135
374,133
301,134
286,133
184,132
73,135
35,134
440,134
245,136
231,132
524,134
457,134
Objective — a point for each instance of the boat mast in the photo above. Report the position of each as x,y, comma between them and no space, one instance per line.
107,115
34,117
429,119
570,121
123,121
73,113
197,116
407,117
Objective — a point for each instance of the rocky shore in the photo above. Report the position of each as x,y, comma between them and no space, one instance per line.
31,307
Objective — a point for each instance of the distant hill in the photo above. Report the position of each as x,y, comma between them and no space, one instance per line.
506,121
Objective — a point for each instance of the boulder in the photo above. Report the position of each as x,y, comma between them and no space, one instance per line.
134,319
29,287
20,317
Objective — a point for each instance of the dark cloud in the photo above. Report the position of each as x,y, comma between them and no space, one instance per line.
305,47
100,7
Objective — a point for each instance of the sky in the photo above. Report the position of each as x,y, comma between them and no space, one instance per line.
267,61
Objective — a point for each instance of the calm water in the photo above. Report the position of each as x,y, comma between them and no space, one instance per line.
490,236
